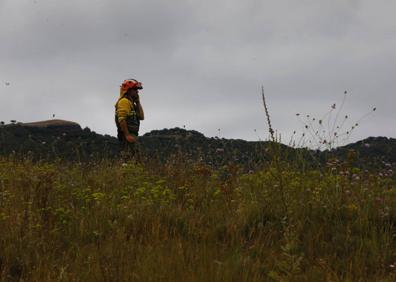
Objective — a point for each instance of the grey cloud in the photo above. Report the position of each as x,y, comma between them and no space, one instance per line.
202,62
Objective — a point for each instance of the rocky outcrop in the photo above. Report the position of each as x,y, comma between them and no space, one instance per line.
68,125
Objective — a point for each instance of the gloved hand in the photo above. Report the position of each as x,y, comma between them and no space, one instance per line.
130,138
136,99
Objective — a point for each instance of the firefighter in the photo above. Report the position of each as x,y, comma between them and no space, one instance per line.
128,114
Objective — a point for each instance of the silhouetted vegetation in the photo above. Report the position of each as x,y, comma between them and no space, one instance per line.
69,142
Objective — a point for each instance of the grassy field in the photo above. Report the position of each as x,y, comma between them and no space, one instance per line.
115,221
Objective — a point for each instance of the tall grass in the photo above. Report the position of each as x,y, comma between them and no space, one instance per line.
183,220
114,221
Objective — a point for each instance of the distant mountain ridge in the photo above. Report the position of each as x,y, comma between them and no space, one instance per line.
67,140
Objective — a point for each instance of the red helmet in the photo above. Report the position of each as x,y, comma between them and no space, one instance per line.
130,84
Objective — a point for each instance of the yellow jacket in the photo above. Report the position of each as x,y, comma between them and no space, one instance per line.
124,108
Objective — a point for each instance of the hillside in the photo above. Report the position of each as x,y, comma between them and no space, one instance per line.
67,140
55,139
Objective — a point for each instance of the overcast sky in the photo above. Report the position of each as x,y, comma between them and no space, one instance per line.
202,63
